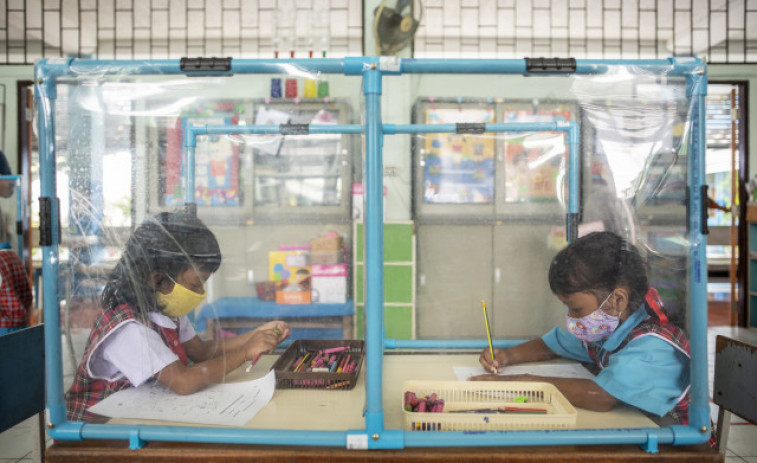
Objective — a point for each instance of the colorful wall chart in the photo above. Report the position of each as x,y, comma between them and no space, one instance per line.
458,168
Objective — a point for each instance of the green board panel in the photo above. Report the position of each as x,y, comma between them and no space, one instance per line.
360,320
398,322
359,283
398,284
398,242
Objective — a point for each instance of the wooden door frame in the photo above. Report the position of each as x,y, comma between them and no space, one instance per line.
742,232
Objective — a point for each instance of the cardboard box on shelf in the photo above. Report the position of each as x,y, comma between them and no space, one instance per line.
284,265
326,257
331,241
329,283
266,290
297,290
293,297
290,269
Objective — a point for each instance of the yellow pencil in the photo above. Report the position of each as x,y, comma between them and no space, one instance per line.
488,334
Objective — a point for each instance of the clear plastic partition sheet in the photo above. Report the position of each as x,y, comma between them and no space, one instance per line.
217,227
207,226
491,209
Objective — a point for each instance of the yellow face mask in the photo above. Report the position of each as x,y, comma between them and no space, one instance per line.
180,301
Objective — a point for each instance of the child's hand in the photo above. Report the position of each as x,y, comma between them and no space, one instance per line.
279,327
261,341
494,365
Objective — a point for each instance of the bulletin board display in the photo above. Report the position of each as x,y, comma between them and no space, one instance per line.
459,168
217,180
534,161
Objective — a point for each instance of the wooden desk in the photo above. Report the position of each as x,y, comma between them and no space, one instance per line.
342,410
159,452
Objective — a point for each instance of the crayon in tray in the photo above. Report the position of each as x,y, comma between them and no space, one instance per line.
320,364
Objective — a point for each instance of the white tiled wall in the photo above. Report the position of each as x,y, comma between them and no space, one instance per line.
720,31
606,29
156,29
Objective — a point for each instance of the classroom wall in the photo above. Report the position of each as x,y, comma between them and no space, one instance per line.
399,94
748,73
246,246
398,91
9,77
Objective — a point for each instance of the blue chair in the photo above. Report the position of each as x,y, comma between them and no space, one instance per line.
22,380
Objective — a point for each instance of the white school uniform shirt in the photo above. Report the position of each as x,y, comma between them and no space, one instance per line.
133,351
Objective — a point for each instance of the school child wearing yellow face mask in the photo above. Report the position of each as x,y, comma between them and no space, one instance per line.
143,333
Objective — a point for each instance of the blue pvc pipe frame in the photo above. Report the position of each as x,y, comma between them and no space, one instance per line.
374,435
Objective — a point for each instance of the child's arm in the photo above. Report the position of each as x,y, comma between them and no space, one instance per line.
183,379
534,350
199,350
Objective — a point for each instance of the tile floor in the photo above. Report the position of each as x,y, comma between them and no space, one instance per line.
16,443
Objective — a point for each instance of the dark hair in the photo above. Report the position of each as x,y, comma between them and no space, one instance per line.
598,263
171,243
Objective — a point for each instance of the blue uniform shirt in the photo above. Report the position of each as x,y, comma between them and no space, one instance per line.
649,373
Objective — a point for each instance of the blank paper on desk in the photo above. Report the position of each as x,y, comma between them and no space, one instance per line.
232,404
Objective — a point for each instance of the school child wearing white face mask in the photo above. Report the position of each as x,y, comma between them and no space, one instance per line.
614,322
143,332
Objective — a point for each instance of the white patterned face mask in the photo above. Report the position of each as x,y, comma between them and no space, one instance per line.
594,327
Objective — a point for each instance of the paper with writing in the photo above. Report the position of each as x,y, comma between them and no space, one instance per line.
231,404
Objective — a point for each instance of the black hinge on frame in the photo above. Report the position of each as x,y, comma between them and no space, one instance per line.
705,198
550,65
45,222
572,226
196,67
294,129
470,127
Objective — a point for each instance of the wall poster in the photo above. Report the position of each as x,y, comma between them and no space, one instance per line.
534,160
216,157
458,168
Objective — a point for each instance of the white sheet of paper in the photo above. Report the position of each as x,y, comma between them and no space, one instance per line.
231,404
562,370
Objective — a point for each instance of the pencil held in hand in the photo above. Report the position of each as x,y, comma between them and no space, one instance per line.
488,335
254,361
